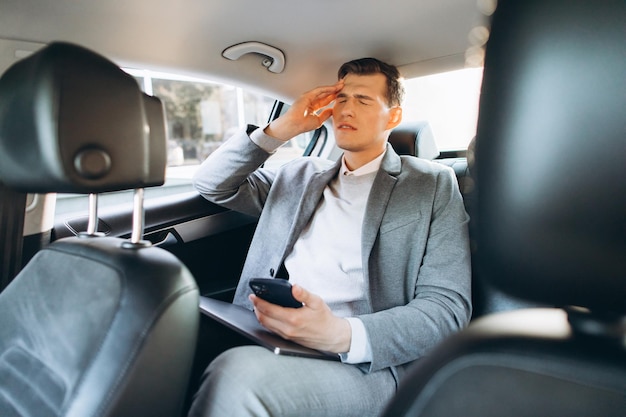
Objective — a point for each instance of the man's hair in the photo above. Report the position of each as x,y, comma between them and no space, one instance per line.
369,66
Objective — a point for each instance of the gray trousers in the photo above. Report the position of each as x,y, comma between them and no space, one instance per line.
252,381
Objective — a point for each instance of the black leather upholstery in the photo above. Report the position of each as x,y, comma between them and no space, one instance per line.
158,140
550,212
414,138
92,326
60,111
523,363
550,154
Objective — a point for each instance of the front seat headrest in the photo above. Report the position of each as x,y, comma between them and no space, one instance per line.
414,138
73,121
551,156
157,144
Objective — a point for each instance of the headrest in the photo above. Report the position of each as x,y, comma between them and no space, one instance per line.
414,138
73,121
551,154
158,140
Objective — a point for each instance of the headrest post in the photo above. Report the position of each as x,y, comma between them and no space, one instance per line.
138,216
138,222
92,224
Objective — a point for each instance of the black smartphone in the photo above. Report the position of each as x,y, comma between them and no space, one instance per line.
275,290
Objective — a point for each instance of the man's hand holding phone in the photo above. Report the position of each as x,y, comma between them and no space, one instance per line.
274,290
311,324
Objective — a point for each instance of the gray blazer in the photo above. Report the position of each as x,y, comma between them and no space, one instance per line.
414,240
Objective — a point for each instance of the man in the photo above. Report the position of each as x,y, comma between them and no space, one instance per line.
376,245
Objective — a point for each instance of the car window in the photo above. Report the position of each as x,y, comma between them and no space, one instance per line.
449,102
202,114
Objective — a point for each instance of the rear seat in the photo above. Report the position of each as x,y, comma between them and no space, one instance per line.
414,138
417,139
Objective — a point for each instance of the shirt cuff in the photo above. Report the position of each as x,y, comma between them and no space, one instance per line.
265,142
360,349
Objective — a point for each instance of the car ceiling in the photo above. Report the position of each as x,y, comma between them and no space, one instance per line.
188,36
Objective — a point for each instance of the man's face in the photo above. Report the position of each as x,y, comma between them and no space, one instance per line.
361,115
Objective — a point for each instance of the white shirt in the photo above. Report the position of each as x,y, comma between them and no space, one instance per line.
326,259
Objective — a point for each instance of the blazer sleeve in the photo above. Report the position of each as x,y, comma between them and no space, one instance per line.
231,176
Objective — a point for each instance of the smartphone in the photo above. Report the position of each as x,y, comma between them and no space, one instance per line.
275,290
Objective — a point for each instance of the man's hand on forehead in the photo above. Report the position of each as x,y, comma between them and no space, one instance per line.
307,113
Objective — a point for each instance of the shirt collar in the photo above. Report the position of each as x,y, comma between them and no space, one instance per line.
368,168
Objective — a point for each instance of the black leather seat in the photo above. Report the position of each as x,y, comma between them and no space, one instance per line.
414,138
92,326
551,206
417,139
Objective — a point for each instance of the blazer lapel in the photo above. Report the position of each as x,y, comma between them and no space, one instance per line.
309,200
377,202
380,193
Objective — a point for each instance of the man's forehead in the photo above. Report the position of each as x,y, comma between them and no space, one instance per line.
371,83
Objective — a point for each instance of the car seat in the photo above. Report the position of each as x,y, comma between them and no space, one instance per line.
414,138
92,325
551,205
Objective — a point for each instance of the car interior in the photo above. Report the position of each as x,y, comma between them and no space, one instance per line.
106,248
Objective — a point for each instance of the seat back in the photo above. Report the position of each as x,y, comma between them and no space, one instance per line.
414,138
550,154
551,206
92,326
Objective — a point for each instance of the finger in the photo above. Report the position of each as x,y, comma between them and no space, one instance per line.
325,101
266,321
264,313
262,306
326,89
333,89
308,298
323,96
265,310
325,114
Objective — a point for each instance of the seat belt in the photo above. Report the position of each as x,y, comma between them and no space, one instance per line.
12,211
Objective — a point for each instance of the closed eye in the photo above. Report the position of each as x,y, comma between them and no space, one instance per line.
363,99
342,98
